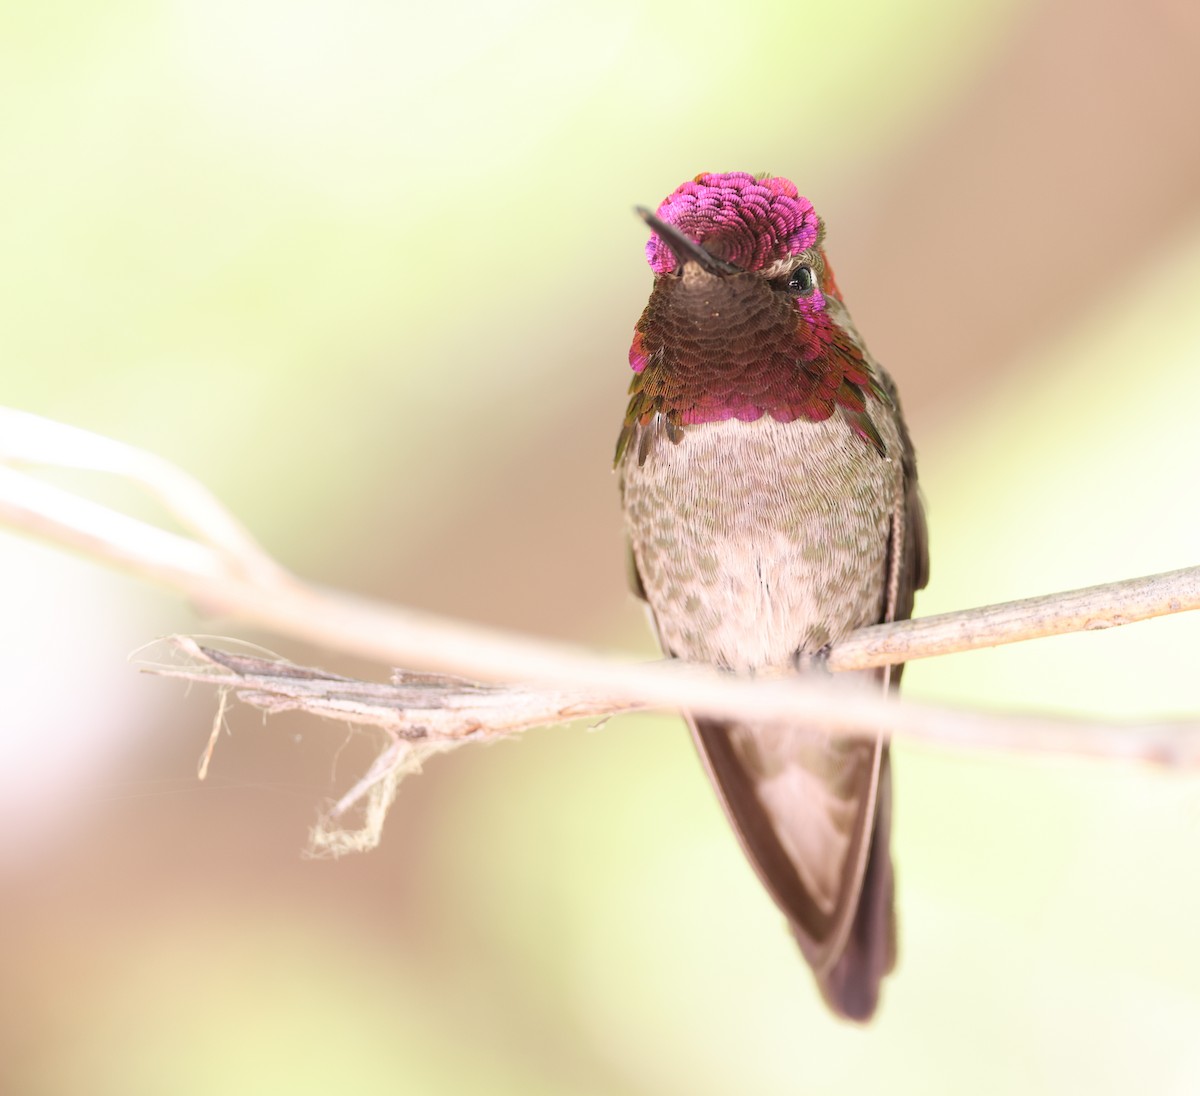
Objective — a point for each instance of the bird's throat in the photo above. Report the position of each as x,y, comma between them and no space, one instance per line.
710,349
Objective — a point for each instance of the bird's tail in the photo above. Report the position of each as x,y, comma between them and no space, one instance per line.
851,985
813,814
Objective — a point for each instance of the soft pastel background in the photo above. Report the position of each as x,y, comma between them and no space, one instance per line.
370,269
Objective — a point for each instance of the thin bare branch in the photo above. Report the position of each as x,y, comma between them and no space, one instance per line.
26,438
425,714
226,572
1090,609
442,708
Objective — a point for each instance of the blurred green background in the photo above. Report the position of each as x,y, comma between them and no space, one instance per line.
370,271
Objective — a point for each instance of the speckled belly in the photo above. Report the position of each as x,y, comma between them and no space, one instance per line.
758,542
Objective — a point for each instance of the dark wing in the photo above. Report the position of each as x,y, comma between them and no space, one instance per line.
851,984
910,564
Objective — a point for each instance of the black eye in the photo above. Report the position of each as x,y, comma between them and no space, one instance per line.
802,281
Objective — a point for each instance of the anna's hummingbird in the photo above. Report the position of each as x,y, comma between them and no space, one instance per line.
770,496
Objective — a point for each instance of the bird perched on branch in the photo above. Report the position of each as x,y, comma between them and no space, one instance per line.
770,496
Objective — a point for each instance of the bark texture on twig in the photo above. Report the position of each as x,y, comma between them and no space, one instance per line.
1089,609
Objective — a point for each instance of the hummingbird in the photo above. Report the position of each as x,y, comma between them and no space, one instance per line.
769,487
